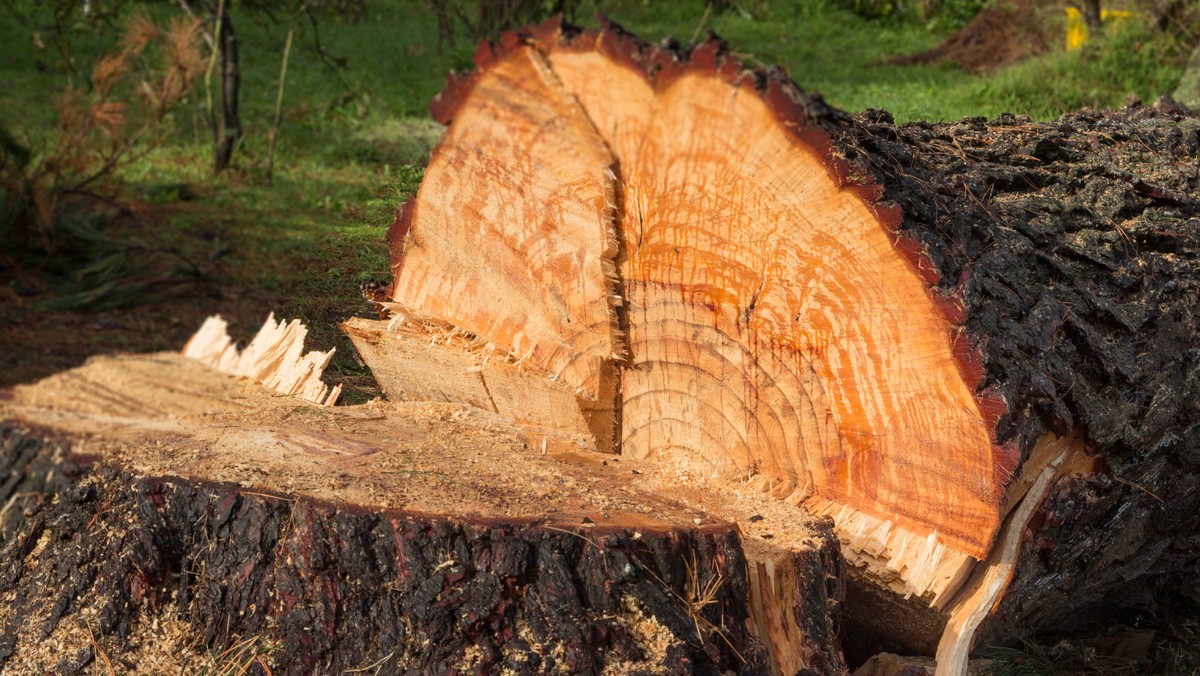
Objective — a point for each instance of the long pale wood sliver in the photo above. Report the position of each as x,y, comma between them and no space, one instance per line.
1051,458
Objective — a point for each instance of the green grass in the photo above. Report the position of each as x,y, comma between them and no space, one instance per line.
826,49
1129,60
833,51
353,142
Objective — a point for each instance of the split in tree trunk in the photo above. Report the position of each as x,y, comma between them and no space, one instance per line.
672,234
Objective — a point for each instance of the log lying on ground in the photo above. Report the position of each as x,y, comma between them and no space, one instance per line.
160,516
972,345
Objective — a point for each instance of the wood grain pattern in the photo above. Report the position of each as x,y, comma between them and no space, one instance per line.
777,330
769,306
510,234
412,363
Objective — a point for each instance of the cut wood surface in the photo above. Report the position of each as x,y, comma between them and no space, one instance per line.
434,366
433,523
880,323
774,333
535,279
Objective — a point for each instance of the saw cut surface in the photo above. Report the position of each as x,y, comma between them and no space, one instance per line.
769,305
510,236
777,330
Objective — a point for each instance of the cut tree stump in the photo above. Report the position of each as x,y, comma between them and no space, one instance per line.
168,517
972,345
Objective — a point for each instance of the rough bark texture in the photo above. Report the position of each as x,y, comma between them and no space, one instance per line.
1074,247
337,587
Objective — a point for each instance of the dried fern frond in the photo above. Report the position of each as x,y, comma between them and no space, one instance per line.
109,117
71,115
181,47
140,31
107,71
44,202
152,100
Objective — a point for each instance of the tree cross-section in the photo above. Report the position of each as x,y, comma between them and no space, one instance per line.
764,318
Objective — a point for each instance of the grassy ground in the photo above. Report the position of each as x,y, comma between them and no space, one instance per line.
354,140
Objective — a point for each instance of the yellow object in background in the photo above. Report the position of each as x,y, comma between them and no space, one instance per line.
1077,28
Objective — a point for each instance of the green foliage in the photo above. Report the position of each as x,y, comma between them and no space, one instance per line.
937,15
56,200
1132,58
104,272
486,19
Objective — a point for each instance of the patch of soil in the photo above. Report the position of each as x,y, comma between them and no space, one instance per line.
37,341
1002,35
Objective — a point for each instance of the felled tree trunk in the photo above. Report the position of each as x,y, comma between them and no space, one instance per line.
1075,249
972,345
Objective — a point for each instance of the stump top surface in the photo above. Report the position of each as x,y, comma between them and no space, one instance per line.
165,415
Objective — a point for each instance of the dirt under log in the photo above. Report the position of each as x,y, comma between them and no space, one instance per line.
148,495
